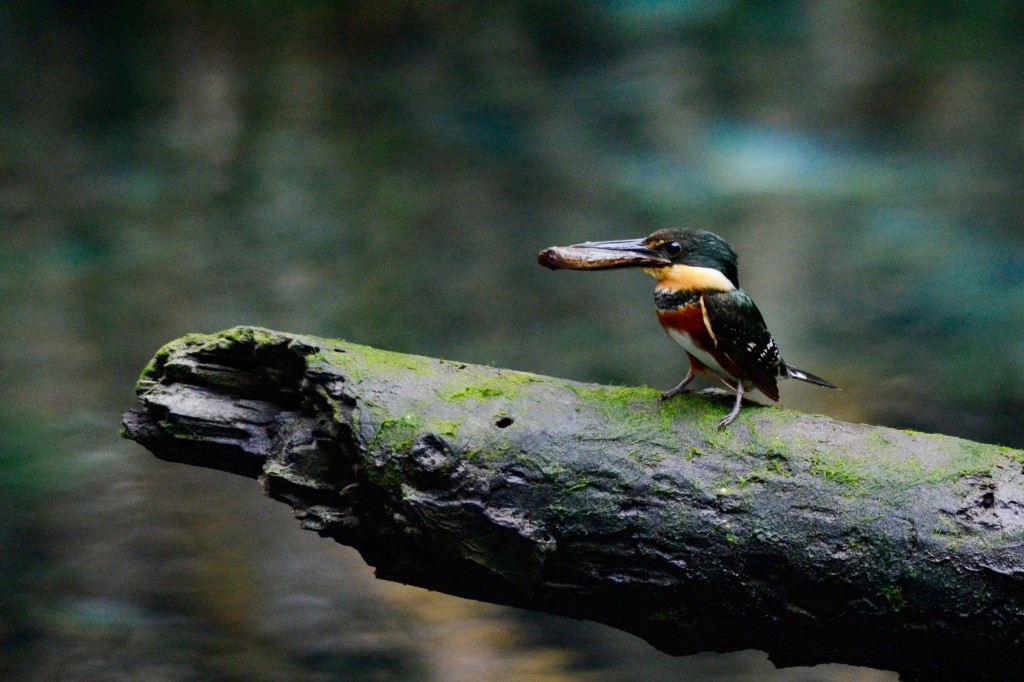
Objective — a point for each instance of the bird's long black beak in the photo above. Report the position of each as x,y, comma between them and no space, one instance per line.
621,253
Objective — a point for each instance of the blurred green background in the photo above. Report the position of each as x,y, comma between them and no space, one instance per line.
386,172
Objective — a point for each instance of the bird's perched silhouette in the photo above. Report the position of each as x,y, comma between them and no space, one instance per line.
700,305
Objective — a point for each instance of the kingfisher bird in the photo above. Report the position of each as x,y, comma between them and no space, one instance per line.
701,306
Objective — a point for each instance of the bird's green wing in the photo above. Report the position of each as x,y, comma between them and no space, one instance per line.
741,334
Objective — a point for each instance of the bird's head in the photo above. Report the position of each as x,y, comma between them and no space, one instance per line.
683,257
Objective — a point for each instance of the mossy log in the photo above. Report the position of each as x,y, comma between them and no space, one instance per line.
812,539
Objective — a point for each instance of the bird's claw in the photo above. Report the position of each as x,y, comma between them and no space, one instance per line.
672,394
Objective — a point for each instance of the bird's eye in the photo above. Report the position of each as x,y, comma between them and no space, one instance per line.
673,249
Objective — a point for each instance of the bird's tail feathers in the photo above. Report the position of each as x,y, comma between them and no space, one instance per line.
794,373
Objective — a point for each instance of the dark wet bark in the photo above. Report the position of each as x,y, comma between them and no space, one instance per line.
814,540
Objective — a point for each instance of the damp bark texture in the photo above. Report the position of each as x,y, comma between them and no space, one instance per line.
812,539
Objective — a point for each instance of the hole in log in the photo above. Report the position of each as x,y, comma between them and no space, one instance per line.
504,422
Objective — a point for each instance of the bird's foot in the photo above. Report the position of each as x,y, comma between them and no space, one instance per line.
673,393
680,387
727,419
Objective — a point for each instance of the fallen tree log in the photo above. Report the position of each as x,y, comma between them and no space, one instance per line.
812,539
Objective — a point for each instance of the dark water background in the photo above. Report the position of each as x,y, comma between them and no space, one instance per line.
386,172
